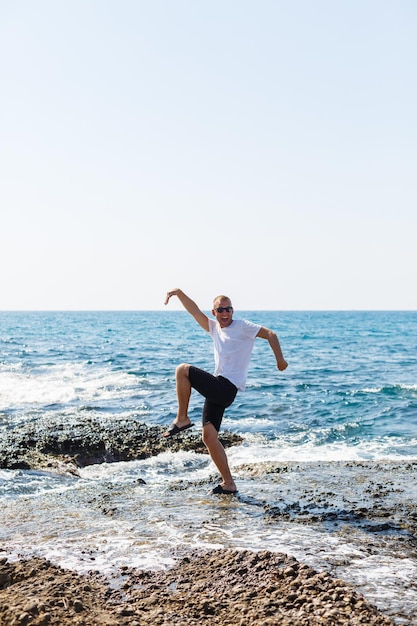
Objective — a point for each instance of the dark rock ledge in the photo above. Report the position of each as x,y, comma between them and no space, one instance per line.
64,446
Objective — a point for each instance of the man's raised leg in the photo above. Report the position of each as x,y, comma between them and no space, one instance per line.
183,385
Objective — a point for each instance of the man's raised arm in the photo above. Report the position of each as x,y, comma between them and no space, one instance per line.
190,306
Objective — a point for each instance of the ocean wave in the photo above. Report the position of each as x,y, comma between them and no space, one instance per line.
64,384
388,389
307,447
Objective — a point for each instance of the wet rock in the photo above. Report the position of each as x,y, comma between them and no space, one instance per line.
64,447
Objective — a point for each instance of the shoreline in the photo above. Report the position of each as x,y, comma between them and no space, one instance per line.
370,505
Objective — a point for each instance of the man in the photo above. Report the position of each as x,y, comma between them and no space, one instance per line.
233,343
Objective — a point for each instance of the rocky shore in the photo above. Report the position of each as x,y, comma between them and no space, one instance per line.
225,587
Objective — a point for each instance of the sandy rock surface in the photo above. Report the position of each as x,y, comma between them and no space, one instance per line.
217,587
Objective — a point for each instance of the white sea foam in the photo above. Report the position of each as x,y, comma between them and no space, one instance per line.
64,384
7,474
402,386
249,422
256,449
163,468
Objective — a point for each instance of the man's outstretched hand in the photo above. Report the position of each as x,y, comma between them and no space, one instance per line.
173,292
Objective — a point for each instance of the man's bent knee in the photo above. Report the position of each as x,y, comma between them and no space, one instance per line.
183,370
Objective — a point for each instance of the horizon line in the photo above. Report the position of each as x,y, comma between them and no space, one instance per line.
181,310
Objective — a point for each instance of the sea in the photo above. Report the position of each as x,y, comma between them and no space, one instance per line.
349,395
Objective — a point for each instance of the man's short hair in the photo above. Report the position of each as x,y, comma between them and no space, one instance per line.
222,297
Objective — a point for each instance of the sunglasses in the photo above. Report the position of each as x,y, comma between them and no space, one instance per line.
220,309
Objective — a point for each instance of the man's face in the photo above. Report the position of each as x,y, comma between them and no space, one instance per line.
223,311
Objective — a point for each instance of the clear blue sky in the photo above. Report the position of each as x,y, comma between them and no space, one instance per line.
265,149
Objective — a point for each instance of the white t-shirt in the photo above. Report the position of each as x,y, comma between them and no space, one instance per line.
233,347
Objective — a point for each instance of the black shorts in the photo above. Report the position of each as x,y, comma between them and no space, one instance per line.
218,391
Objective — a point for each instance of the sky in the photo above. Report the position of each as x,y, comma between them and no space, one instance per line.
264,149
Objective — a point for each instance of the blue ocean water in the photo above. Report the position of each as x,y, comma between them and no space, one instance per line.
348,394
